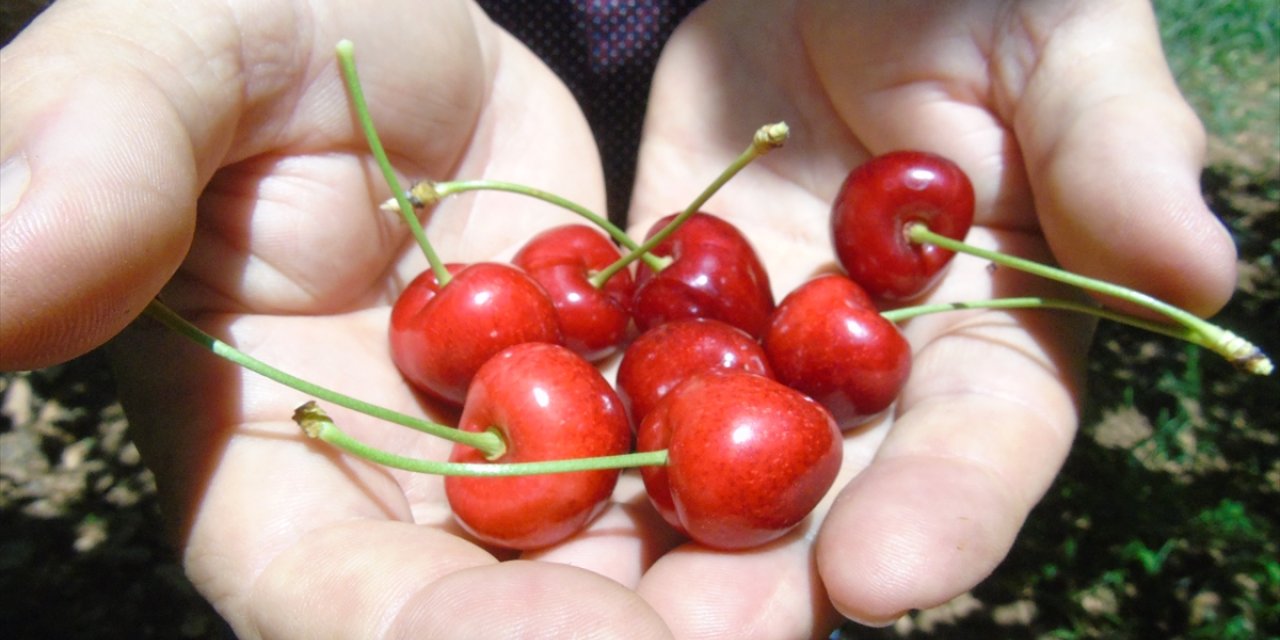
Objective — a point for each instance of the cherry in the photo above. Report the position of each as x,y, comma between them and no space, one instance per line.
664,356
715,273
593,319
548,403
876,202
828,341
440,336
748,458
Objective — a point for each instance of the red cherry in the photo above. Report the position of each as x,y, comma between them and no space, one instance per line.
876,202
562,259
664,356
748,458
549,404
828,341
715,274
441,336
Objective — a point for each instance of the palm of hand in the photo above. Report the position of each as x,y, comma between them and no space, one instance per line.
943,482
936,500
293,263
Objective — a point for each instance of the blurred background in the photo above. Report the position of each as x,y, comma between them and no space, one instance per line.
1158,527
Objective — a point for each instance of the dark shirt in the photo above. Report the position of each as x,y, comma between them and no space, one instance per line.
605,52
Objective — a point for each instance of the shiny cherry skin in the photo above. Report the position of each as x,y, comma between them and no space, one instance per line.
715,273
828,341
593,321
875,204
748,458
549,404
662,357
440,336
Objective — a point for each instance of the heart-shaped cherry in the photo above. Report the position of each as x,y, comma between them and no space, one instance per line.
440,336
715,273
828,341
748,458
876,202
549,404
665,355
593,320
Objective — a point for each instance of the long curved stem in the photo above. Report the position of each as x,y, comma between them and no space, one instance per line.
766,139
1234,348
488,442
1032,302
427,192
346,60
318,425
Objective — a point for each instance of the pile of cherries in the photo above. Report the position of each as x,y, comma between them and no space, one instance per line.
747,396
732,404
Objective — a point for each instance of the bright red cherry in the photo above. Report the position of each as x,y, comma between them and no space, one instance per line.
715,274
665,355
876,202
593,320
440,336
828,341
549,404
748,458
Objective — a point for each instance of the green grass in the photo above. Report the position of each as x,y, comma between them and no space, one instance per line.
1226,57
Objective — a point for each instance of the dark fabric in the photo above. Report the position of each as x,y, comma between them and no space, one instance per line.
605,52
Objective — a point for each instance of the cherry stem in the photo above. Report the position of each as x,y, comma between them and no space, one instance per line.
346,60
1031,302
1191,328
425,193
766,139
317,424
491,443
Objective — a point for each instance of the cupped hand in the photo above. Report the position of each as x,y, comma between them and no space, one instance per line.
1081,150
210,149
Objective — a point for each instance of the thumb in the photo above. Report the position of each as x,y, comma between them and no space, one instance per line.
1114,156
98,182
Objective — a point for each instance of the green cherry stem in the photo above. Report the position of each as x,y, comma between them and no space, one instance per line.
766,139
346,60
425,193
318,425
488,442
1190,327
1032,302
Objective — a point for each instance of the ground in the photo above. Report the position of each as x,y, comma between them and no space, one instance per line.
1158,526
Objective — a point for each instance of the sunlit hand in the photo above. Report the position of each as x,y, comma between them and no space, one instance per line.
211,146
1080,148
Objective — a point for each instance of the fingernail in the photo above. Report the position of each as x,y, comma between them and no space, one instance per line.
15,175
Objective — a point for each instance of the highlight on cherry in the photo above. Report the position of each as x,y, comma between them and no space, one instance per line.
734,405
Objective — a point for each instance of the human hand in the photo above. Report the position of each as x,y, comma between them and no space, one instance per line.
211,146
1079,146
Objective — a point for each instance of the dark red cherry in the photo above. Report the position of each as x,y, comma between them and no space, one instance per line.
593,320
876,202
440,336
715,273
748,458
828,341
549,404
667,354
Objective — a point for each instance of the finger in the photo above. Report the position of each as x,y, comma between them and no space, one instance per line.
113,122
716,83
983,426
772,591
927,88
1069,106
1114,155
527,600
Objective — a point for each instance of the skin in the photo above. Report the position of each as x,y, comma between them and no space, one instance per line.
207,149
